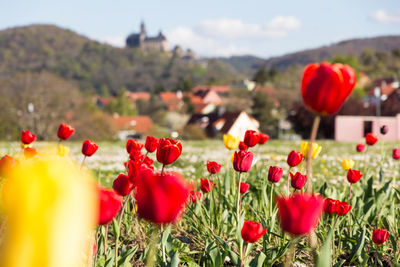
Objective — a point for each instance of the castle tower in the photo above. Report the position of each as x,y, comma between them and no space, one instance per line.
142,28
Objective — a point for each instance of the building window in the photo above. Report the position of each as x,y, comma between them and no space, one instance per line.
367,127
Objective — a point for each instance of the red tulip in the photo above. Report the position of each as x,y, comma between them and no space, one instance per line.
263,138
195,195
6,164
360,147
148,161
242,146
242,161
396,153
299,213
243,187
65,131
206,185
353,176
370,139
161,197
122,185
134,169
213,167
342,208
379,236
89,148
110,204
330,205
298,180
151,144
251,138
252,231
133,144
136,155
274,174
168,151
294,158
325,87
30,152
27,137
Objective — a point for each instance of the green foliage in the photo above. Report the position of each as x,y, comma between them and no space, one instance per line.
121,105
262,110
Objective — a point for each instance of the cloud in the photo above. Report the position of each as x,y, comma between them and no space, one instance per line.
385,17
226,36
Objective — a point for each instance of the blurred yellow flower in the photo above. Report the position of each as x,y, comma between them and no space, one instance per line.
347,164
24,145
62,151
305,146
232,157
231,142
51,208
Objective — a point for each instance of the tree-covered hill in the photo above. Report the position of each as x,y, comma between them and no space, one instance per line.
101,67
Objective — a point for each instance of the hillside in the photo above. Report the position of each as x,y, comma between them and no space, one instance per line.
352,47
100,67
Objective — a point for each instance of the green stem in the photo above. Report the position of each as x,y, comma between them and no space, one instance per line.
313,137
116,232
162,245
288,182
270,199
238,198
123,209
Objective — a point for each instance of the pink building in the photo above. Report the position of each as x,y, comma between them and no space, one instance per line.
354,128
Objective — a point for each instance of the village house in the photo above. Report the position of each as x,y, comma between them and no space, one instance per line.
131,126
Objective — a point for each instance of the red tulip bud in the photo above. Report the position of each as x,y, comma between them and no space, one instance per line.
168,151
330,205
342,208
65,131
206,185
242,146
252,231
133,144
30,152
370,139
396,153
122,185
89,148
243,187
213,167
195,195
294,158
353,176
379,236
27,137
298,180
360,147
251,138
151,144
242,161
110,204
274,174
263,138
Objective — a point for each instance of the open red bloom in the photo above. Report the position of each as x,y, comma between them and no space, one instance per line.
110,204
65,131
353,176
379,236
251,138
242,161
243,187
151,144
161,198
133,144
263,138
298,180
396,153
252,231
195,195
206,185
330,205
168,150
213,167
30,152
299,213
325,87
122,185
27,137
342,208
6,164
274,174
371,139
294,158
242,146
89,148
360,147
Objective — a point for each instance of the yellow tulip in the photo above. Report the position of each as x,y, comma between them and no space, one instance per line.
25,146
231,142
232,157
305,146
347,164
62,151
51,208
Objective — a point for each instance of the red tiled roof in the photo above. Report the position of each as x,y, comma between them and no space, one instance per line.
134,96
105,101
171,100
140,124
216,88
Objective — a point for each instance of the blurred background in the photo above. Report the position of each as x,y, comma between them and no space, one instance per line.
191,70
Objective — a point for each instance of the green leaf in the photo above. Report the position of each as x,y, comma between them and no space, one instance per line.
175,260
258,261
325,254
359,247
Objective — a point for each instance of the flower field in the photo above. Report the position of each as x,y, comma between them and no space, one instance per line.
208,232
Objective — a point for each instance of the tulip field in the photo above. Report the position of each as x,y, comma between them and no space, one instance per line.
208,233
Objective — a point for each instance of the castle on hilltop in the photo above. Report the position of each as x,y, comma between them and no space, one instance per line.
144,42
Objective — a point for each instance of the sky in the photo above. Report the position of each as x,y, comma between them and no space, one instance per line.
211,28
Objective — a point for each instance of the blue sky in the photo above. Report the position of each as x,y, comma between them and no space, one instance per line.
215,27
